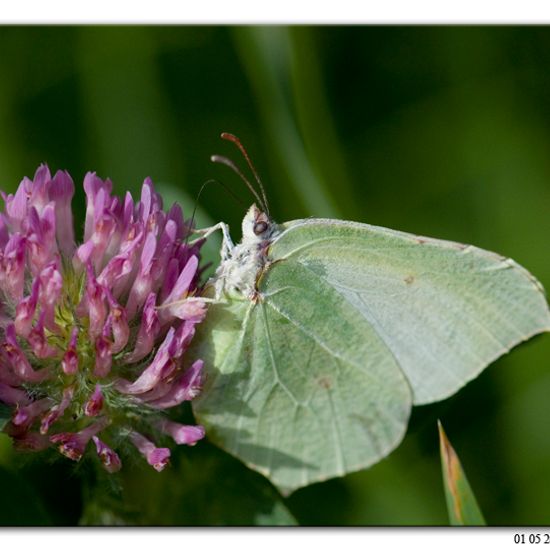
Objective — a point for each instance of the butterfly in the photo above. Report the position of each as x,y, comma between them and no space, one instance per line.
322,334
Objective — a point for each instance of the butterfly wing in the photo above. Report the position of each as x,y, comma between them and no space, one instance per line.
300,387
444,310
316,378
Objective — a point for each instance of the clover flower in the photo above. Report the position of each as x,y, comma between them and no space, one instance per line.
93,337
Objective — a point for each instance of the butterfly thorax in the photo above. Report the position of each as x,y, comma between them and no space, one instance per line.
239,272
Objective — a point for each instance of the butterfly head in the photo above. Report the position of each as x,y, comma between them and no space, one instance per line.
257,225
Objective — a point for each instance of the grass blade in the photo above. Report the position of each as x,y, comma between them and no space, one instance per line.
461,502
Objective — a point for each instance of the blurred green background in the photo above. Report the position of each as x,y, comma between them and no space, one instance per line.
442,131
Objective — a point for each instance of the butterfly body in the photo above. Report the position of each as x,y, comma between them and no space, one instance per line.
242,266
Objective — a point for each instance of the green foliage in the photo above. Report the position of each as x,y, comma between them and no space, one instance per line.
461,501
203,486
20,504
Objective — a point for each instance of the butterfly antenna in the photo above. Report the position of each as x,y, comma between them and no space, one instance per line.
231,164
237,142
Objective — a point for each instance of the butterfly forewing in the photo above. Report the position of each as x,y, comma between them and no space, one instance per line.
443,310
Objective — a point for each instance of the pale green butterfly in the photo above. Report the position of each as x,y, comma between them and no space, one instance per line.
322,334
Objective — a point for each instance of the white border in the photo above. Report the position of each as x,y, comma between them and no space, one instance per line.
274,11
269,538
270,12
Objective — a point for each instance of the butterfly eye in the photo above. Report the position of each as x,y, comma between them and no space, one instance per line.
259,228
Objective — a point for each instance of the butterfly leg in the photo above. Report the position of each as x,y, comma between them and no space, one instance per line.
227,243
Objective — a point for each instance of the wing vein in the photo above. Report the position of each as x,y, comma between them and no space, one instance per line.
278,379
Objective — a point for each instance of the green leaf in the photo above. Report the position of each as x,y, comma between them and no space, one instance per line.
461,502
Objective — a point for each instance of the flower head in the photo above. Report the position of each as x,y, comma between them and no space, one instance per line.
93,336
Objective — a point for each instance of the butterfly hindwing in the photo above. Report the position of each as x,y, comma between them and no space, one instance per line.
306,390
